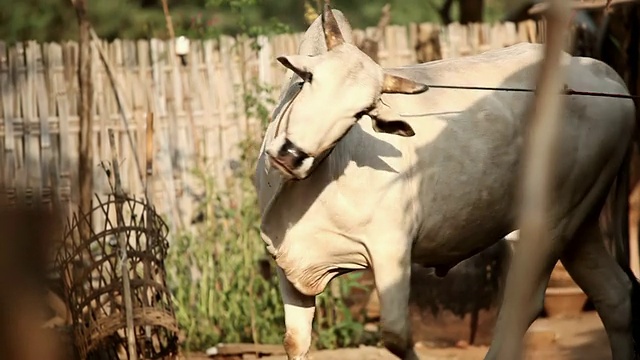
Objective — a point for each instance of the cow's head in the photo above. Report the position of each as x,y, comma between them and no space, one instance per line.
338,88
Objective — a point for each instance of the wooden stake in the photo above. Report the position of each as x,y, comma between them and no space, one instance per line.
85,150
122,244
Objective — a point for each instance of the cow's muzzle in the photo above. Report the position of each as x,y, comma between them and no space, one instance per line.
288,158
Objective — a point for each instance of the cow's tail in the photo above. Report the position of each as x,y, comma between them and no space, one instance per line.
620,217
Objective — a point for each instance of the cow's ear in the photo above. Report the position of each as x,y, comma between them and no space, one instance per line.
385,120
394,127
302,65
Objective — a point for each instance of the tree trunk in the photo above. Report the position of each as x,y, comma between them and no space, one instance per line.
471,11
85,161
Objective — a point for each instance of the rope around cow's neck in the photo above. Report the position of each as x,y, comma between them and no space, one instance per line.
565,91
285,111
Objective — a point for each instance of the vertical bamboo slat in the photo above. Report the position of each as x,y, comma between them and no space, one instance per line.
206,88
23,111
64,135
48,168
6,91
164,175
30,139
69,85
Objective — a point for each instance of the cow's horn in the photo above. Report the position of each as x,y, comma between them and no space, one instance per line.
392,84
332,34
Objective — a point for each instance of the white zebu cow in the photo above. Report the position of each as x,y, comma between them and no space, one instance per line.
337,195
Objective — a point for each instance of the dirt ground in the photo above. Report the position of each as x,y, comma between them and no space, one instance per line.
548,339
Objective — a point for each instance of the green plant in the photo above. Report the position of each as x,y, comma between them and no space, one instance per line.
213,272
213,269
220,297
335,326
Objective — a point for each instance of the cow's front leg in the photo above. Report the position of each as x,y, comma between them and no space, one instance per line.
298,318
392,274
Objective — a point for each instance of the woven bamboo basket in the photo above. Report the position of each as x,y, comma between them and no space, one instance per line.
93,282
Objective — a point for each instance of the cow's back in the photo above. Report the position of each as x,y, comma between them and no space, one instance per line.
468,144
515,66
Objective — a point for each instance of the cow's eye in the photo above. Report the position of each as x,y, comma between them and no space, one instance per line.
364,112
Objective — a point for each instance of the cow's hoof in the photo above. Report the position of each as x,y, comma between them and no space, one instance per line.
398,346
300,357
411,355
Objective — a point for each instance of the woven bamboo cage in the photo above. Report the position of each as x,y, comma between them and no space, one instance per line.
95,286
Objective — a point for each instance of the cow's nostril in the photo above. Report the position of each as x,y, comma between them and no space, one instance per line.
286,148
292,155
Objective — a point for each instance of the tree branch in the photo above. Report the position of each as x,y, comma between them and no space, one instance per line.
167,18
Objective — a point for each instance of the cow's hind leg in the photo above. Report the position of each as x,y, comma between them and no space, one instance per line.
609,288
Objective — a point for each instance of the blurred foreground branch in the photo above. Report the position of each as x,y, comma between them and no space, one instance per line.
28,237
536,183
